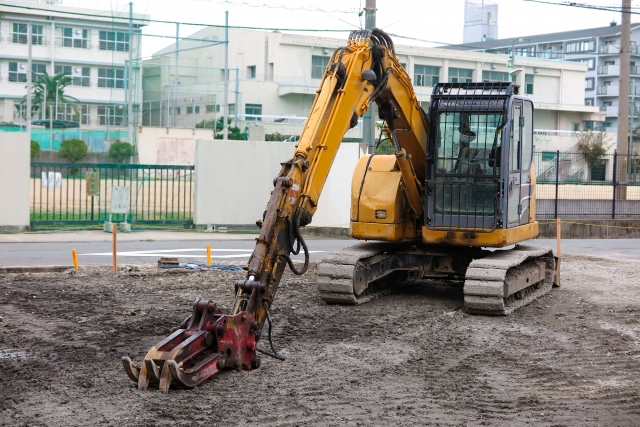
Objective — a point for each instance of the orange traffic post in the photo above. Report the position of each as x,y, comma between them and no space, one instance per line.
558,236
74,254
556,280
208,254
115,249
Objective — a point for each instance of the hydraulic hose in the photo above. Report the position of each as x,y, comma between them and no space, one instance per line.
300,240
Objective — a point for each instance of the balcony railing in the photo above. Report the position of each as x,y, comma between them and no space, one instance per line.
615,50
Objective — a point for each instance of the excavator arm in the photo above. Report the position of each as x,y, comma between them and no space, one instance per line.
364,71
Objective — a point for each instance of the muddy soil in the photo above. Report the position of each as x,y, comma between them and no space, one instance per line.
413,357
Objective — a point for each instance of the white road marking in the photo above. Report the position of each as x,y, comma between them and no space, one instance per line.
174,253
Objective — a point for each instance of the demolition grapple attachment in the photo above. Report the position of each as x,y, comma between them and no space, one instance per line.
206,343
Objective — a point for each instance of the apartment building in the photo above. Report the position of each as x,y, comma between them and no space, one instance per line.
91,46
597,48
274,78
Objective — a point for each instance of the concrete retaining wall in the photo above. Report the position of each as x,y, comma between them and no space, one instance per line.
592,229
584,209
14,181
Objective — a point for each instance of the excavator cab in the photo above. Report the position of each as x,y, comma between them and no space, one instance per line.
478,168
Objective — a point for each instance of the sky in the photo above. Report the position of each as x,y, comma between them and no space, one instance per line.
438,21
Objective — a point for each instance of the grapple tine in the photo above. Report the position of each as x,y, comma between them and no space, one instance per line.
165,377
132,370
153,371
143,378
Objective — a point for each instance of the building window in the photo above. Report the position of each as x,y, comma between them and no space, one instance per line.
588,102
404,65
460,75
190,109
589,82
111,77
20,34
37,72
589,62
494,76
20,110
73,37
80,76
528,84
232,110
68,112
114,40
425,75
17,72
529,51
113,115
213,108
318,65
581,46
575,127
255,109
251,72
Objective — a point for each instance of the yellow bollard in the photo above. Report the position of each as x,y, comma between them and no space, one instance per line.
75,258
558,236
208,254
115,248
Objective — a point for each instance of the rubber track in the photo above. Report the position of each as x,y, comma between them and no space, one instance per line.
487,282
336,274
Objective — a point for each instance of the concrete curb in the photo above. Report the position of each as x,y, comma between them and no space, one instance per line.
36,269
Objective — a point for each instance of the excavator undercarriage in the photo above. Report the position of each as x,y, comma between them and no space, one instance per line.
495,282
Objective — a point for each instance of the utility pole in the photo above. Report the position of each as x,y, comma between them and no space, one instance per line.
368,120
622,147
130,86
174,101
225,120
29,80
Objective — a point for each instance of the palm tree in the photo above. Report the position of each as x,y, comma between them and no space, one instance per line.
44,89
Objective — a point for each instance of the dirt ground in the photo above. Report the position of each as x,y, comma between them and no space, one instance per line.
413,357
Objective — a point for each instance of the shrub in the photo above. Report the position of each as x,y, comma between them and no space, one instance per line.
592,146
276,136
35,149
73,150
119,151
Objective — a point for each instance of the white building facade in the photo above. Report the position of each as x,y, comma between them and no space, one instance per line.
274,78
92,46
597,48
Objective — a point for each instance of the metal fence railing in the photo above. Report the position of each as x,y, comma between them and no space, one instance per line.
80,193
570,186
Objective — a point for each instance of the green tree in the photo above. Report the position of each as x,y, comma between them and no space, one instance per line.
119,151
35,149
46,87
593,146
73,150
276,136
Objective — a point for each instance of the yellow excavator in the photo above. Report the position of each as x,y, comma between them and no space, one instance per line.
457,192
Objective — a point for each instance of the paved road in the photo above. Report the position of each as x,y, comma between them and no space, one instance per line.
192,248
144,252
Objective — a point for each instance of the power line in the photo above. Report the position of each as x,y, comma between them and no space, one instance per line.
586,6
159,21
295,9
